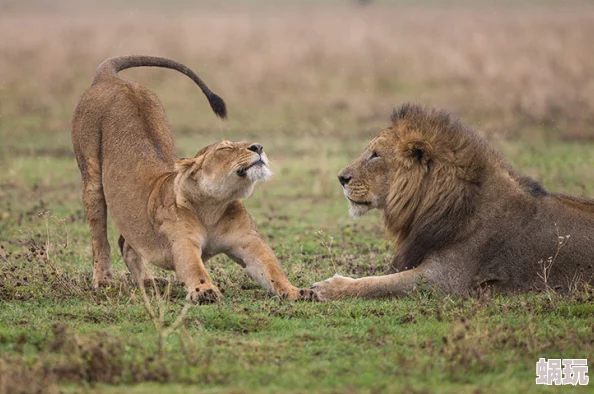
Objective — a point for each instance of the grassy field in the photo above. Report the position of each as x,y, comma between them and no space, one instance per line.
313,82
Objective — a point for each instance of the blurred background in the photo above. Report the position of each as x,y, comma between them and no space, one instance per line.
311,66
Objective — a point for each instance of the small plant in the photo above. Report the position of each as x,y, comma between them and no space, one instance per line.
327,241
547,264
157,313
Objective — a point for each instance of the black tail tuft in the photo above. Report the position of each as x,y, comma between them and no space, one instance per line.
218,105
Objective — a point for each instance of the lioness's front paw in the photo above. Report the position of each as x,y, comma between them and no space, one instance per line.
205,294
333,288
291,293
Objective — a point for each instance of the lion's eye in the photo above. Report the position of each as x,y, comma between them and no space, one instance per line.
373,155
225,148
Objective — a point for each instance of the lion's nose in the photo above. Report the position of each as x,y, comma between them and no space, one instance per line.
344,179
257,148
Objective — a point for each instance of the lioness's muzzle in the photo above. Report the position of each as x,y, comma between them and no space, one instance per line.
243,171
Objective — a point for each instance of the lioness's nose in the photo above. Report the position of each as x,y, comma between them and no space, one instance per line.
256,148
343,179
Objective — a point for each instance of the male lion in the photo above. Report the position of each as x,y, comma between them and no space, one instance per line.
461,217
174,214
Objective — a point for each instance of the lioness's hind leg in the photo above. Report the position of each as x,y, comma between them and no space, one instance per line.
96,211
142,276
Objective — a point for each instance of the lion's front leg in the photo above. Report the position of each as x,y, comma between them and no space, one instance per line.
264,268
394,285
187,261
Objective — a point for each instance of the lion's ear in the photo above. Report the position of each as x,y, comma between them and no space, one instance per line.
418,150
182,165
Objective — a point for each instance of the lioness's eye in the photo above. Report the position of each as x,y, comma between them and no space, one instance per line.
225,148
373,155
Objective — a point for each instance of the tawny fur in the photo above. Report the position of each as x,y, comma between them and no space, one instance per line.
174,214
462,219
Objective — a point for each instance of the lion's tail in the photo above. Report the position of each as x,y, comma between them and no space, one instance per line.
111,66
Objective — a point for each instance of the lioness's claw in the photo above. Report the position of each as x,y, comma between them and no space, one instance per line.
205,295
332,288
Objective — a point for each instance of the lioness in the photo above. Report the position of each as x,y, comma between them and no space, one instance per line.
461,217
174,214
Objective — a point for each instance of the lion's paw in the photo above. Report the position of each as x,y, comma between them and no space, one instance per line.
307,295
205,294
332,288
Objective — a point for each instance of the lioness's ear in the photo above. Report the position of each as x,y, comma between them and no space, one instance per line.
184,164
420,151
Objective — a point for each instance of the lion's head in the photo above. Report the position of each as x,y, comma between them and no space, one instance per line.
424,172
223,171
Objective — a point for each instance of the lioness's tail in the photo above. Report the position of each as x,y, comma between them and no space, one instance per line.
111,66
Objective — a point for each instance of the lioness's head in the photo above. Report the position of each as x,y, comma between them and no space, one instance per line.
223,171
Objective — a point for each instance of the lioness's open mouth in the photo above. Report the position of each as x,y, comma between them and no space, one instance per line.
359,202
243,172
